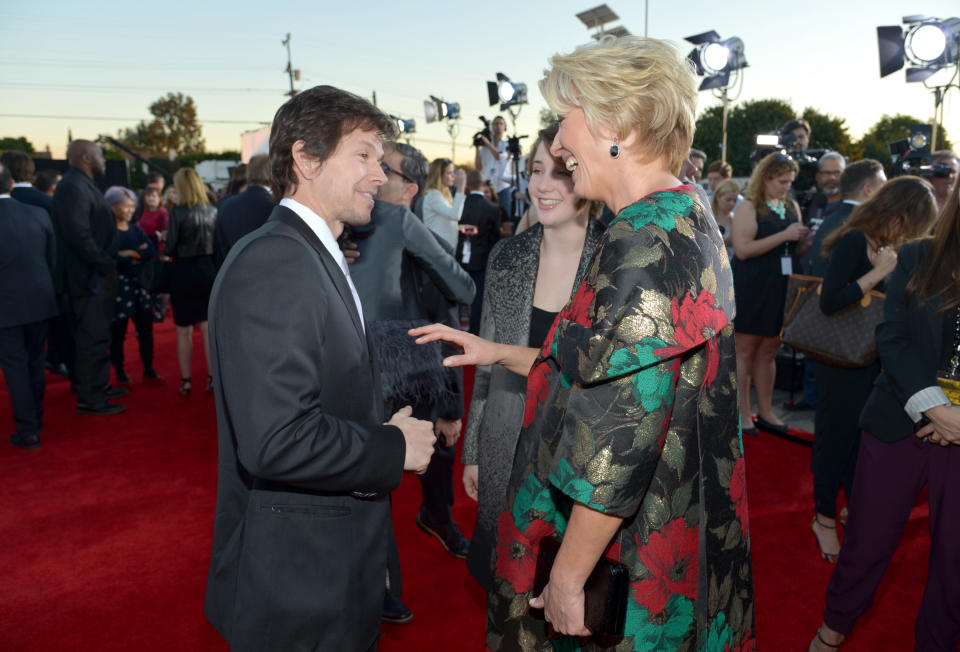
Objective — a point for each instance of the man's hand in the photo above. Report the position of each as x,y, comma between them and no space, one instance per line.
944,426
460,180
350,251
471,472
419,437
448,431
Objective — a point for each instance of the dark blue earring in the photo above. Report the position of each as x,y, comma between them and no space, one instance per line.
614,150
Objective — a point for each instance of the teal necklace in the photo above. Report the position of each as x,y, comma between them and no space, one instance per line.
780,209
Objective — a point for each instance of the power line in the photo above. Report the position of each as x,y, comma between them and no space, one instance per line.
116,119
214,89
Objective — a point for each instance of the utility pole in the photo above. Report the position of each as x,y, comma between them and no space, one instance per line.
293,74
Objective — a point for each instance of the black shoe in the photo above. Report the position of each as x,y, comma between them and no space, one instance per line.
770,427
59,369
750,431
797,406
123,378
394,611
449,535
27,442
116,392
104,409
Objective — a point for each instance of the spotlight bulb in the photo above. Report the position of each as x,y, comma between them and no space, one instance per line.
927,42
507,91
715,57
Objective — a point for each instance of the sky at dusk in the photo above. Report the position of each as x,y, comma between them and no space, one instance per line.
95,67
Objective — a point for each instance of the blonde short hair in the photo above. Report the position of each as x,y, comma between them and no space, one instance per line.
190,188
629,84
725,187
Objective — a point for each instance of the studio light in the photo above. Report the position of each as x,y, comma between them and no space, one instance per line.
928,44
435,109
715,59
506,92
404,126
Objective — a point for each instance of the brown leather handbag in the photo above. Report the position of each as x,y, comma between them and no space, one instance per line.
844,339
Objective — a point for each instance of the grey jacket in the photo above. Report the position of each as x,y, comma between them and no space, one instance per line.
496,408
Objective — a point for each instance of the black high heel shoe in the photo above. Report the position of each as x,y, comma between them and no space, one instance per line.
185,386
830,558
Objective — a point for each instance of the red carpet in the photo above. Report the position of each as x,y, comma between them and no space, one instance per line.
106,533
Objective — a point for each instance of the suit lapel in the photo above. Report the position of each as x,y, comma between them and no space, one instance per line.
291,219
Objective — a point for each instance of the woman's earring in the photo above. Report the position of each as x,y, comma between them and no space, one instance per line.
615,150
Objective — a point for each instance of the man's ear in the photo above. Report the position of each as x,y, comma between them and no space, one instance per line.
410,191
308,167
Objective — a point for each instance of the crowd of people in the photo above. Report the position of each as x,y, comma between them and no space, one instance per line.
622,316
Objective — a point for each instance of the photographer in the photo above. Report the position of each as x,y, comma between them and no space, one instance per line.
942,183
493,160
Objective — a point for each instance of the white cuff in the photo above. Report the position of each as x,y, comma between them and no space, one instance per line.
923,400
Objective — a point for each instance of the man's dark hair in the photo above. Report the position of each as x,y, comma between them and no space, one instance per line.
320,117
44,180
258,170
697,153
19,164
153,176
855,175
474,180
6,179
414,166
794,124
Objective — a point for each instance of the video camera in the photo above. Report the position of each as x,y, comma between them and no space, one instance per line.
786,143
483,133
911,155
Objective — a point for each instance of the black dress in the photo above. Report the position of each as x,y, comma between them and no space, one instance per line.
759,283
190,243
841,393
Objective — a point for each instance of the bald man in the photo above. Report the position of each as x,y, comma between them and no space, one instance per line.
85,229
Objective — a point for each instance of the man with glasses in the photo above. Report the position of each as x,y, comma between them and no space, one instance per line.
829,168
397,266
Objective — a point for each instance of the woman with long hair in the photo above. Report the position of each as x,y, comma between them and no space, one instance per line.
529,278
629,446
861,253
767,233
441,210
910,438
190,244
724,201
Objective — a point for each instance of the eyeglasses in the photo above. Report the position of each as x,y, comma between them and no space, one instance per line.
387,169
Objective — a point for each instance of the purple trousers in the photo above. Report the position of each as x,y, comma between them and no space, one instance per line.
885,487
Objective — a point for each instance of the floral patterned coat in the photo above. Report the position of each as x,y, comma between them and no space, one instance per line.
632,410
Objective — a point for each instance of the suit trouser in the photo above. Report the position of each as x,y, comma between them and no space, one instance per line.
436,482
143,322
94,314
476,307
23,360
889,476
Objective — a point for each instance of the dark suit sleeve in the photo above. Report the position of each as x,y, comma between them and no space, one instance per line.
840,287
50,249
903,362
220,244
444,270
72,206
270,319
173,231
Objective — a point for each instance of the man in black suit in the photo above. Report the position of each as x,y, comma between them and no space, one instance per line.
27,255
85,228
239,215
306,464
21,166
473,249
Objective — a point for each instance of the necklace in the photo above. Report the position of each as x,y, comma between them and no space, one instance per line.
780,209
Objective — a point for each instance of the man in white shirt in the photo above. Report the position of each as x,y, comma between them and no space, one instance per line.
494,161
306,462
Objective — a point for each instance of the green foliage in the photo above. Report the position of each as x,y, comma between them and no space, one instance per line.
547,117
174,126
830,132
20,144
744,122
875,142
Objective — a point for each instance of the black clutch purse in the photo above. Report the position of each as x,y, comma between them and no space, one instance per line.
605,594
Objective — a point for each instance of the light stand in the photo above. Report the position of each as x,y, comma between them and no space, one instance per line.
717,60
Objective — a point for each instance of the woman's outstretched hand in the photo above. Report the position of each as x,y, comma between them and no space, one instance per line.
476,351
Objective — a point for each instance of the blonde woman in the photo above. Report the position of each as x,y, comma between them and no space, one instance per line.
441,211
724,201
190,244
629,446
767,233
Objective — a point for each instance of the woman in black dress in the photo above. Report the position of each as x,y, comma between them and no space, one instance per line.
190,244
767,233
862,253
133,301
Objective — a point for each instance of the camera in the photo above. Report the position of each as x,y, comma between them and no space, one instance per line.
483,133
786,143
911,155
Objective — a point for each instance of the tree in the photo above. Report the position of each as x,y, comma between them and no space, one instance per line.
547,117
744,122
20,144
174,127
875,142
830,132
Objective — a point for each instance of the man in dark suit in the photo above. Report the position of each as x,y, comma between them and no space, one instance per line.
306,464
27,256
239,215
473,249
21,166
85,228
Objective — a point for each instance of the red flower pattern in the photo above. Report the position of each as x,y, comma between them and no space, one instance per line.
747,644
517,551
694,321
738,493
537,390
578,310
670,556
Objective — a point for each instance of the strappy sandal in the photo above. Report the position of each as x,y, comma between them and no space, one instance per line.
209,387
827,556
185,386
823,642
